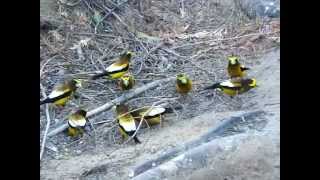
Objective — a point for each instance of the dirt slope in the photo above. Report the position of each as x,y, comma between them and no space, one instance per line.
119,160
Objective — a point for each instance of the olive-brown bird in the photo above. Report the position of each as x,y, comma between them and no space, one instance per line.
235,69
126,82
150,114
233,88
183,84
77,121
127,124
61,93
117,69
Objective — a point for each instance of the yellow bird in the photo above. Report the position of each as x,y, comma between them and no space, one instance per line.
118,68
126,82
77,121
235,69
233,88
183,84
127,124
61,93
150,114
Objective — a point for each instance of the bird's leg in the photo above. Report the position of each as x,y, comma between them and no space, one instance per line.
76,96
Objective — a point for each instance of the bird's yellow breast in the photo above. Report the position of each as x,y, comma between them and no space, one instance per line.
235,71
154,120
73,132
117,74
184,88
230,92
61,102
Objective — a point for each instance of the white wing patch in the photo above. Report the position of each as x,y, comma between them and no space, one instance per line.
114,67
128,125
77,123
227,84
55,93
156,110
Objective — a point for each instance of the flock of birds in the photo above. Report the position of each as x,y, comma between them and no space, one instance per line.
128,120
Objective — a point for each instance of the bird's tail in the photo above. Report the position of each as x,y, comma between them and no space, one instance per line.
172,109
245,68
94,77
136,140
48,100
51,100
214,86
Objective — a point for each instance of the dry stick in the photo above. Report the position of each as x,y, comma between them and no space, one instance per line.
80,53
94,64
48,124
148,54
44,64
111,11
118,100
105,55
225,39
189,59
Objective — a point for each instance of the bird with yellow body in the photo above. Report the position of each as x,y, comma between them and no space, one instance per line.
126,122
235,68
117,69
77,121
183,84
150,115
233,88
126,82
62,93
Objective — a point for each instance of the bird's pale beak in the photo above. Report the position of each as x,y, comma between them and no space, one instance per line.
126,83
131,53
78,83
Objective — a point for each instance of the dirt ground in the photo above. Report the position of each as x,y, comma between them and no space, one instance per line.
116,165
103,157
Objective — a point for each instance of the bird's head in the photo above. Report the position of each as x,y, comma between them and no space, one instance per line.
121,108
182,78
81,112
233,60
77,83
127,55
253,83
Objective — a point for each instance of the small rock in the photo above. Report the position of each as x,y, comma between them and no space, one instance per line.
78,152
153,164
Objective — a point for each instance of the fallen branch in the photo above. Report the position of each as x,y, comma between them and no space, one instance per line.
118,100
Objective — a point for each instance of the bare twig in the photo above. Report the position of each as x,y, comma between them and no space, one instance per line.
44,64
47,126
225,39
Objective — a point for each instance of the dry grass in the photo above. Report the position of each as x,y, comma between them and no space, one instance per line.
94,32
